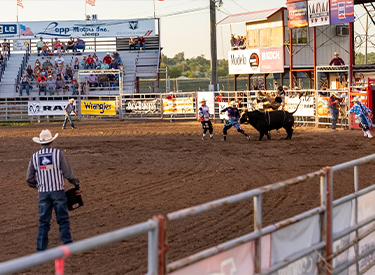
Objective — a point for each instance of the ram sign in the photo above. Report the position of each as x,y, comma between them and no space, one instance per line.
47,107
270,60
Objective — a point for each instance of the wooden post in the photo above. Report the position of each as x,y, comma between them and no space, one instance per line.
235,82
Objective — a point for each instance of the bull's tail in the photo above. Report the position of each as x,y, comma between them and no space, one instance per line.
297,107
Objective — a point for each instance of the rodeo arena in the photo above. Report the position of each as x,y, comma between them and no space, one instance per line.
168,185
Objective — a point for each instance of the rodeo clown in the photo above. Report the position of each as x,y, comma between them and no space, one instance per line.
204,118
363,115
233,117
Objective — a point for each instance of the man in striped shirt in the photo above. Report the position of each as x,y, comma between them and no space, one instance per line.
47,169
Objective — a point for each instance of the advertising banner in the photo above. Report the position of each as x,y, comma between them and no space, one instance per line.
289,240
142,106
306,108
210,101
182,105
82,29
222,106
47,107
256,61
318,13
20,45
272,60
323,109
96,107
342,11
297,15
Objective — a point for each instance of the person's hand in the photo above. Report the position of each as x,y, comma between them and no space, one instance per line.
79,192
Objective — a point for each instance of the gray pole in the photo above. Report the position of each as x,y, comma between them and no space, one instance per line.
366,36
213,44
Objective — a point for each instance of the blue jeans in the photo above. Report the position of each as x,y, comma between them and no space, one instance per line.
141,45
74,90
44,53
334,116
68,117
78,47
26,87
56,200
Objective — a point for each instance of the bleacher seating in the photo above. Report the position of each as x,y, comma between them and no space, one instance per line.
151,42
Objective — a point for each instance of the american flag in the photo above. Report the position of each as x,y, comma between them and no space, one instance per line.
90,2
19,3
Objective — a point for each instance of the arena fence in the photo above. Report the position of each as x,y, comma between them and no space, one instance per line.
312,110
337,237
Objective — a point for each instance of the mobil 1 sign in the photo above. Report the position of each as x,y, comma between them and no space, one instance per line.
244,62
47,107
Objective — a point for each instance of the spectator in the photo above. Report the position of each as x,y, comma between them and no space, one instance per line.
1,59
30,73
117,58
39,45
74,85
47,63
141,43
105,66
63,46
59,84
59,60
121,67
25,84
58,47
50,85
45,50
113,64
37,63
54,44
334,106
43,72
60,71
76,64
337,61
93,80
80,44
103,79
131,43
83,62
36,70
42,84
6,46
107,58
112,80
97,62
41,77
49,71
362,80
89,63
233,41
70,44
69,72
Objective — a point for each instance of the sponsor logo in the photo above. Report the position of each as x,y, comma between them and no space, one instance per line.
34,108
102,107
239,60
133,25
291,13
45,162
8,29
271,55
141,106
254,61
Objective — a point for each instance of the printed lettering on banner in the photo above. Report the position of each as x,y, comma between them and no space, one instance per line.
289,240
222,106
47,107
366,209
20,45
96,107
141,106
342,11
272,60
82,29
210,101
306,107
239,260
244,62
297,15
318,13
181,105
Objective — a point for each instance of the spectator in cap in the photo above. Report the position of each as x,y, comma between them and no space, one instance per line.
117,58
363,115
113,64
337,61
141,43
334,107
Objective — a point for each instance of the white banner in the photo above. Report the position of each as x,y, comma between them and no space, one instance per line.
306,108
82,29
318,13
222,106
244,62
210,101
20,45
47,107
289,240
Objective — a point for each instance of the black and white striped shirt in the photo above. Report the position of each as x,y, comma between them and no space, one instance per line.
47,169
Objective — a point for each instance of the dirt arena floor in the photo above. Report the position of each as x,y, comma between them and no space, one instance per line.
133,170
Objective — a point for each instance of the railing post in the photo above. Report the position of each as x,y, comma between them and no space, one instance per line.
356,246
153,241
257,229
329,243
162,247
59,263
323,216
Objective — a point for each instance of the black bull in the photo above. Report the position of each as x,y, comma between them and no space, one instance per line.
264,122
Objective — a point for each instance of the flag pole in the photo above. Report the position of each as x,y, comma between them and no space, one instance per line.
154,9
85,9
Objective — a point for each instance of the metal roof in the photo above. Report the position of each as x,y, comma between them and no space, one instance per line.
252,16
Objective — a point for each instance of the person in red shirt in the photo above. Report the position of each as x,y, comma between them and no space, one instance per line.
90,62
41,78
107,58
141,43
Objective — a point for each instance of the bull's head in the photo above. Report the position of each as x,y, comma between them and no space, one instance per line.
244,118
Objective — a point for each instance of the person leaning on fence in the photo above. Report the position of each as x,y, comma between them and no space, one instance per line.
204,118
46,171
334,107
233,120
337,61
69,108
363,115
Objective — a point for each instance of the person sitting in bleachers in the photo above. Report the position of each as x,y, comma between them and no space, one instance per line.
50,71
131,43
80,44
121,67
96,61
6,46
93,80
43,72
71,44
112,80
45,50
103,79
42,83
54,44
24,85
113,64
105,66
89,63
47,63
74,85
39,45
76,64
50,85
83,62
1,59
37,63
107,58
60,71
59,61
36,70
69,72
117,57
141,43
30,73
60,84
58,47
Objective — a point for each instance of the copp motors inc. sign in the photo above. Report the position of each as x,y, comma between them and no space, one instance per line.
47,108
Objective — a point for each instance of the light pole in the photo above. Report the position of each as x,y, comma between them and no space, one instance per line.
213,42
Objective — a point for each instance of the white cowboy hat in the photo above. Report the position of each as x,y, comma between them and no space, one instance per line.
336,53
203,100
233,102
336,94
356,99
45,137
72,99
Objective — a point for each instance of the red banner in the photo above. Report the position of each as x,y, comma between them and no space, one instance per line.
272,60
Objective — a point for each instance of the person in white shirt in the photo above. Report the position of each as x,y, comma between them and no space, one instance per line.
59,60
204,118
39,45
